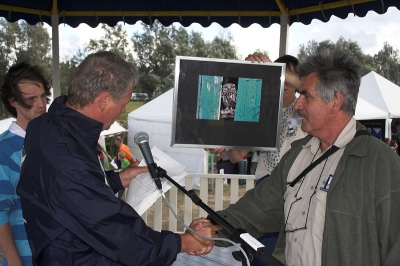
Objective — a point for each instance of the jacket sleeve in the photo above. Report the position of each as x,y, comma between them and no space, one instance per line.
90,210
260,210
114,181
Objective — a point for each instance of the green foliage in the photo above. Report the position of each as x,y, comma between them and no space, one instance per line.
34,47
67,68
155,52
222,48
313,47
156,48
114,39
388,63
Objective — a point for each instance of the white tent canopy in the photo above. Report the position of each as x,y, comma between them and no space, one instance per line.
367,111
155,118
381,93
114,130
5,124
378,99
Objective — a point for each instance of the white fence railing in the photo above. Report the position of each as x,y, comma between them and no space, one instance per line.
213,192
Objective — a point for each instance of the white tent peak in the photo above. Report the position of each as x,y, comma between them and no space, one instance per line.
367,111
115,129
381,93
158,110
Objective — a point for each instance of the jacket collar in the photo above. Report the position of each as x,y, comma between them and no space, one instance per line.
78,125
341,141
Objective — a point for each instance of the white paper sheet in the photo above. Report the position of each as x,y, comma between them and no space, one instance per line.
142,191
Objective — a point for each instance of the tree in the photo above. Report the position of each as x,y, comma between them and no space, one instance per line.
19,42
366,61
198,46
35,47
155,52
114,39
67,68
156,48
388,63
222,47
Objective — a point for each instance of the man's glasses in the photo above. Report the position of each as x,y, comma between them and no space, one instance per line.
288,227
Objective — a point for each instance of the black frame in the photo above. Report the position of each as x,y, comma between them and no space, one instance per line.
190,130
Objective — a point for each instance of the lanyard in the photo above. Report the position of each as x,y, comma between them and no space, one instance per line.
328,153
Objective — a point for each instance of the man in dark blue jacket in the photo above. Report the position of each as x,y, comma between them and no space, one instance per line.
68,202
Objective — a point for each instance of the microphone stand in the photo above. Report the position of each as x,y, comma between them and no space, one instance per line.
250,250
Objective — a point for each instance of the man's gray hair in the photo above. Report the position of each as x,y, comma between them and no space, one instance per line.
101,72
337,71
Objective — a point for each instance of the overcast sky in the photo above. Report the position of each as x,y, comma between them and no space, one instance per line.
369,32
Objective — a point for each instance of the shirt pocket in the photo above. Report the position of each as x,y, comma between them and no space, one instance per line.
290,206
317,217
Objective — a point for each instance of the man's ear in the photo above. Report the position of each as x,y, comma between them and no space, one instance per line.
337,102
103,100
12,102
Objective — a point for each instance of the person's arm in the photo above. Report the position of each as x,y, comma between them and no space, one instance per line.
233,155
130,173
103,221
7,244
7,195
292,78
120,180
128,154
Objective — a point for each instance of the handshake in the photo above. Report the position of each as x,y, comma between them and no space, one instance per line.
193,242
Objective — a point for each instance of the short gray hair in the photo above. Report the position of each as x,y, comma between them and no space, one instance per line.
337,71
101,72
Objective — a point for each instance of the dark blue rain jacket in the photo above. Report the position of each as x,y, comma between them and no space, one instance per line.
72,216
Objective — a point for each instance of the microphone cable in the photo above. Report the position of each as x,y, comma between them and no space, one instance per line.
200,236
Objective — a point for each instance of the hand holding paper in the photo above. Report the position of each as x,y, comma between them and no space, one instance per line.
142,192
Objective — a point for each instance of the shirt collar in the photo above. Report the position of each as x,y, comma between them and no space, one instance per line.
342,140
16,130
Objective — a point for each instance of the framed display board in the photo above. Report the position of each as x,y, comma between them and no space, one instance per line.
230,103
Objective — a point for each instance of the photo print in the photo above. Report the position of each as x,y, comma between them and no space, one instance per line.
228,98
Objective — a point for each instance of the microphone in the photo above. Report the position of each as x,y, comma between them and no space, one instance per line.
142,140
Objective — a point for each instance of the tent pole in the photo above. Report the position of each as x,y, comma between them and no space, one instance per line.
284,34
56,55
